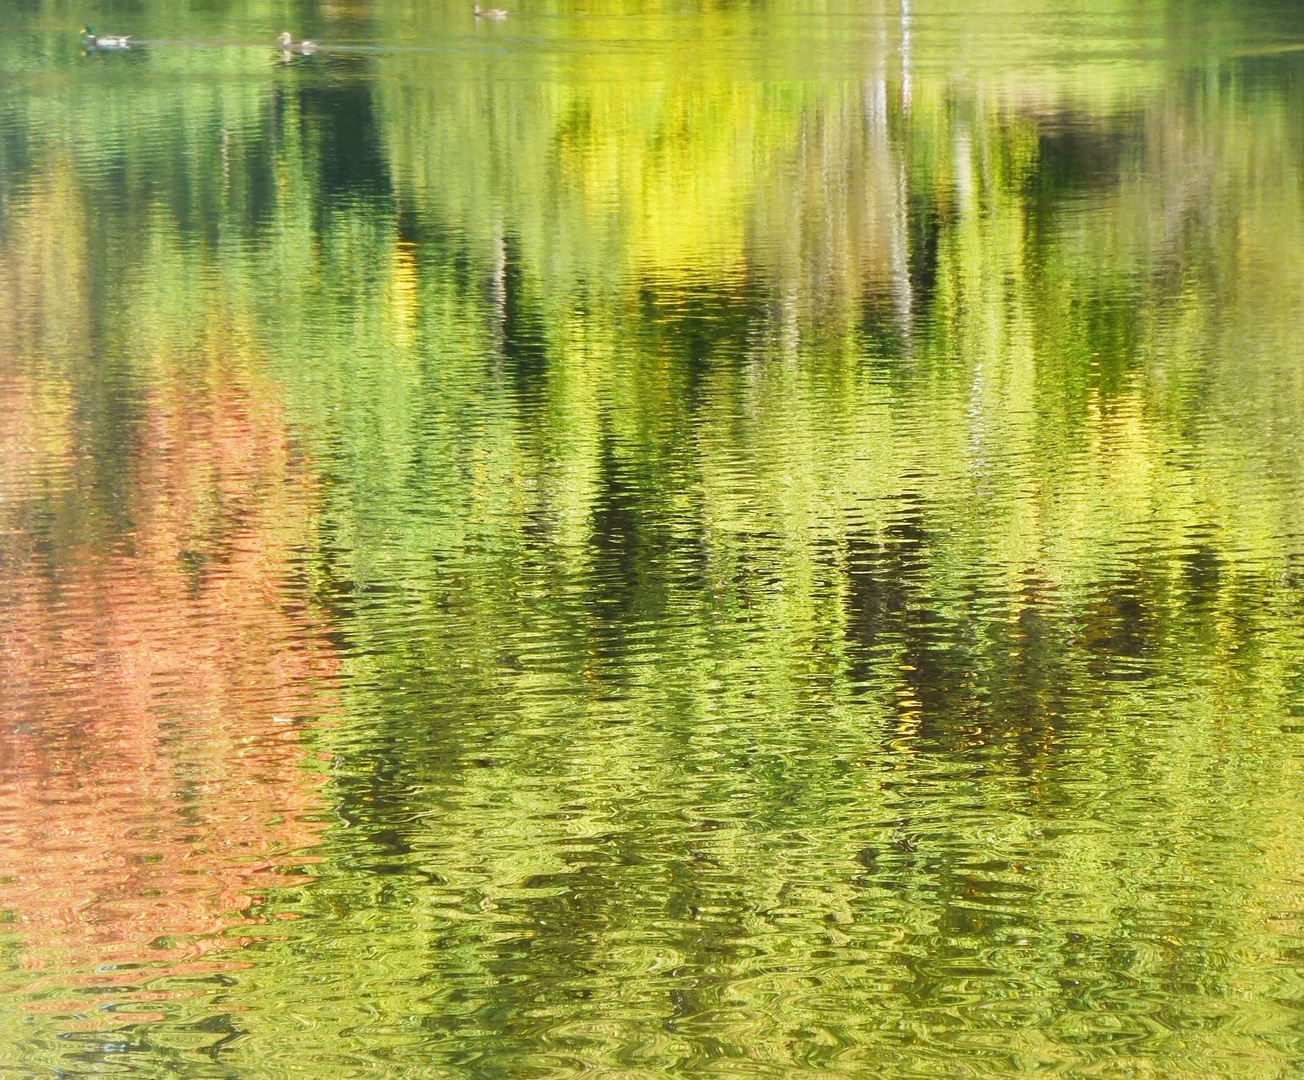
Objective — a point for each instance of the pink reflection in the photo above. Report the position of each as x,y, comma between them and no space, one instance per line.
154,777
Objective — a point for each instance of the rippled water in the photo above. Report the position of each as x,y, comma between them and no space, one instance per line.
653,540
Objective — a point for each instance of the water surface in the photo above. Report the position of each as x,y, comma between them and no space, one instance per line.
653,540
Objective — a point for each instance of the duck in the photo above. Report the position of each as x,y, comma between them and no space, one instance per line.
289,45
497,14
92,40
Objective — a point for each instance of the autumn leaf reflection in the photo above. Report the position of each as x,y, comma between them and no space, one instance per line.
157,662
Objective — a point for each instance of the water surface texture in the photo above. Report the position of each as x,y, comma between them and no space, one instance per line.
651,540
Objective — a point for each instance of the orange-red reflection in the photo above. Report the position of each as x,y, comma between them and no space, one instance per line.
156,669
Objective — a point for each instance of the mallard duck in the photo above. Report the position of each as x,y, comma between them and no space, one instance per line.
288,44
497,14
92,40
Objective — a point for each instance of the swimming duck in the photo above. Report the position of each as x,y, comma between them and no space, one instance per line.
92,40
288,44
497,14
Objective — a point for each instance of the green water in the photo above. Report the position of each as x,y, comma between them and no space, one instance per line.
648,540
